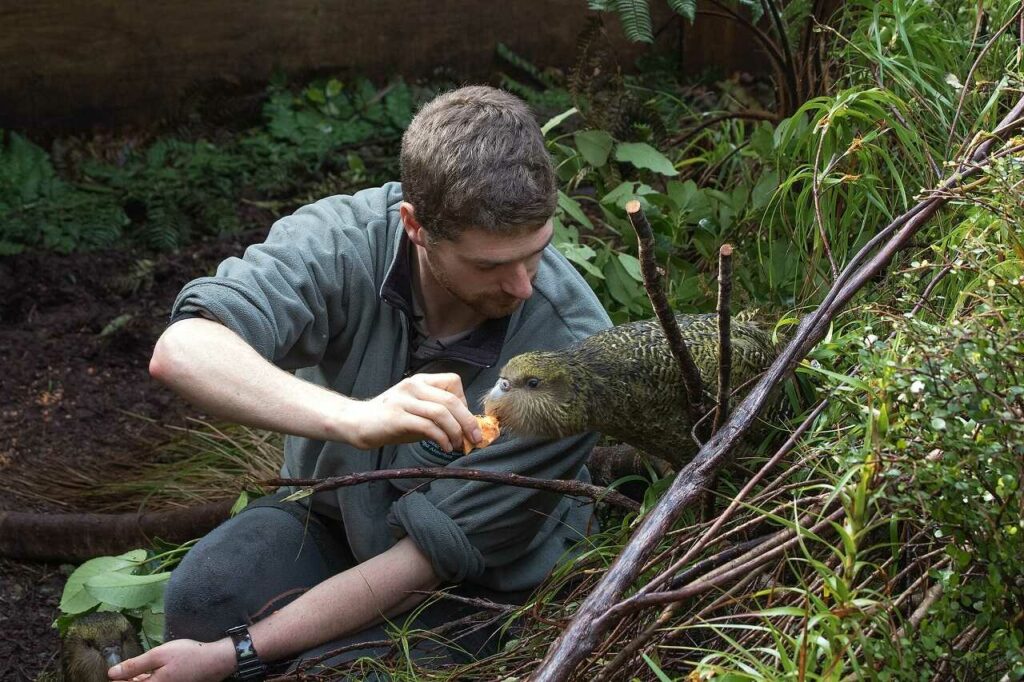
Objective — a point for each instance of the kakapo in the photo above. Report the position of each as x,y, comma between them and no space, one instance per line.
92,645
625,383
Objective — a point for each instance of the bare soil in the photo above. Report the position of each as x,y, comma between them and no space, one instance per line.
76,333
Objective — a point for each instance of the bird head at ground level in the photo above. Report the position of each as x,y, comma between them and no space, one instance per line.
94,643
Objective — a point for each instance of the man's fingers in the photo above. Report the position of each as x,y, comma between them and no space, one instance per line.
446,381
464,422
440,418
133,667
427,428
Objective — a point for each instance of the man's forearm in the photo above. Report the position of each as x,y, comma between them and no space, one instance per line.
348,602
213,368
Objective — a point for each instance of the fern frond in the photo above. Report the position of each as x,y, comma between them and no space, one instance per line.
684,8
635,16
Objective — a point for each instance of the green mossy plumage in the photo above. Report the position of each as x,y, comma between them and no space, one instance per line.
625,383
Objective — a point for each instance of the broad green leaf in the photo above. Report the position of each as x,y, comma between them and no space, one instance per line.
555,121
626,191
621,286
681,193
643,155
764,189
762,140
632,266
241,503
153,627
75,598
594,146
621,194
126,590
572,207
583,256
564,234
399,105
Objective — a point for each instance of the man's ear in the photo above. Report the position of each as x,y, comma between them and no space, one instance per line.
417,235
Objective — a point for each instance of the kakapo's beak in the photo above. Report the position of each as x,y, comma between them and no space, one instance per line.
499,391
112,655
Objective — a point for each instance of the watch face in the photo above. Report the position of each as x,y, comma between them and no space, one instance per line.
244,648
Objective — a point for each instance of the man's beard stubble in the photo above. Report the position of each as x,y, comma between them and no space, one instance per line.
485,304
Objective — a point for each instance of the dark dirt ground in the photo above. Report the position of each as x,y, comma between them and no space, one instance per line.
74,399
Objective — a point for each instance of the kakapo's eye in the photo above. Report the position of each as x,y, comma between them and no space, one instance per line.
532,382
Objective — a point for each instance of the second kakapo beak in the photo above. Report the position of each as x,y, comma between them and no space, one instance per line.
112,655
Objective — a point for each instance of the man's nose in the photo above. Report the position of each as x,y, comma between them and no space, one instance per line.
518,283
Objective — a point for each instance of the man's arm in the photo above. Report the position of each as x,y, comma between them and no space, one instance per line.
213,368
348,602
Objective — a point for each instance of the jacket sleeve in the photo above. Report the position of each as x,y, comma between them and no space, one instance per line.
286,297
467,527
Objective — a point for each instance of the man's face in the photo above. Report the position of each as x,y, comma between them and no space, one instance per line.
490,273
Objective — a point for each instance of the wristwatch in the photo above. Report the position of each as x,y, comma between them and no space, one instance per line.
248,663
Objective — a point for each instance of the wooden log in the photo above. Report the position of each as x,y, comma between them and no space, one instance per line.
77,537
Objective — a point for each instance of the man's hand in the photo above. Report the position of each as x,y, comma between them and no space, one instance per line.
180,660
422,406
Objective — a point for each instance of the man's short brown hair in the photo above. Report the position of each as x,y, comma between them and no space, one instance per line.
475,158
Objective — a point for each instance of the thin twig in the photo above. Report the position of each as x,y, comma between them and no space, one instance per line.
574,488
724,334
790,71
816,194
656,291
774,546
974,67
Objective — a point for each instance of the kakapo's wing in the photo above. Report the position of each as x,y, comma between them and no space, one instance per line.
639,389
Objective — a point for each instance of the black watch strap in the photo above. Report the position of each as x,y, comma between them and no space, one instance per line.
247,661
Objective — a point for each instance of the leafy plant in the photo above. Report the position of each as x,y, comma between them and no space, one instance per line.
131,583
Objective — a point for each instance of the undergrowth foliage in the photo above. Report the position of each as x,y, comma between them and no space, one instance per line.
164,194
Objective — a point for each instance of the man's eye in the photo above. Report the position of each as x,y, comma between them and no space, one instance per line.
532,382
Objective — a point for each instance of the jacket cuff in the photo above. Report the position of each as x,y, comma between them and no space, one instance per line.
437,535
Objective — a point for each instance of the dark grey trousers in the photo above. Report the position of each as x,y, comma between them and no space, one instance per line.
273,551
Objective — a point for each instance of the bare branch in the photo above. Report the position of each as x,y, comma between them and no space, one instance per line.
575,488
724,334
656,291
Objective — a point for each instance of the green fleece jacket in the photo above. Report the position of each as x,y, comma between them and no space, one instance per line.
328,296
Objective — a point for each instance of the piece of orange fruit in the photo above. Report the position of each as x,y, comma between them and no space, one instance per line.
489,427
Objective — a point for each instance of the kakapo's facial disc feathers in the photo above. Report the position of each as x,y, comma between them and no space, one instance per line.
94,643
540,394
624,382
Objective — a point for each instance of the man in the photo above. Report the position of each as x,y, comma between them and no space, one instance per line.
395,308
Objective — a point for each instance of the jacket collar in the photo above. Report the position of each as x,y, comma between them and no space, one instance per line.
483,345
